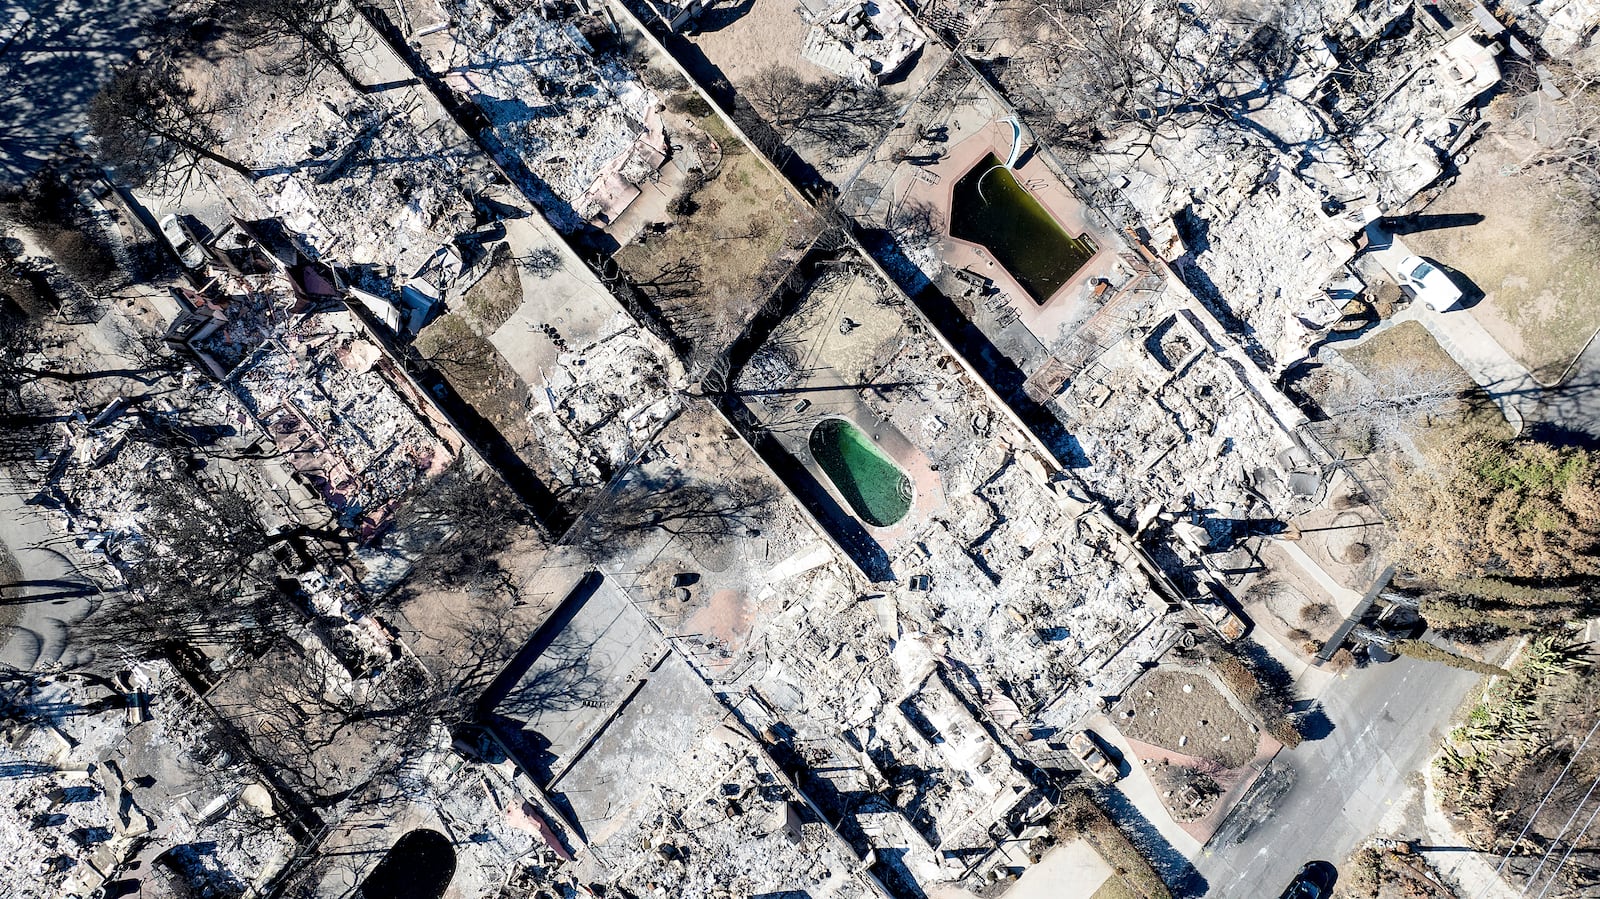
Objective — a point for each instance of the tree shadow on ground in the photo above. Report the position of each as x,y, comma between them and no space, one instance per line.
1180,876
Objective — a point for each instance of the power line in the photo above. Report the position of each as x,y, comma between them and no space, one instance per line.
1531,818
1570,846
1563,832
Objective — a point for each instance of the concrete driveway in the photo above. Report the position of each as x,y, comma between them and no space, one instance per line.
1321,800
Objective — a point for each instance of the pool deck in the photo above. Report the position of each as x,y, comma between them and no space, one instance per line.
935,184
836,393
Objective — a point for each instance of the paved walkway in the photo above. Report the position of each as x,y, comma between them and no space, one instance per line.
1141,791
1070,871
1473,872
1505,379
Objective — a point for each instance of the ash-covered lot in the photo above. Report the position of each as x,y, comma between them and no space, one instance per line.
565,449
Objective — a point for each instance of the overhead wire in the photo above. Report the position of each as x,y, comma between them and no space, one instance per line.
1556,840
1571,845
1547,794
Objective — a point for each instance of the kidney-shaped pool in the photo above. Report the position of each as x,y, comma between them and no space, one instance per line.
878,491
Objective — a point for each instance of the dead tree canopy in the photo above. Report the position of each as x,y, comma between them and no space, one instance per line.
303,37
201,574
689,508
150,121
1117,64
835,112
1571,152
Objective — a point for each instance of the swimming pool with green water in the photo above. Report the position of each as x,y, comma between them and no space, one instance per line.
990,208
878,491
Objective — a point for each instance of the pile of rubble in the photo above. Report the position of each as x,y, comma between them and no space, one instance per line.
344,415
866,42
559,100
96,780
602,401
1190,427
396,187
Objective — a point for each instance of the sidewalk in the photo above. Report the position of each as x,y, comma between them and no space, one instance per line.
1472,871
1505,379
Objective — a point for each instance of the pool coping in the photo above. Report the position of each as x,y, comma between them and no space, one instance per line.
1044,320
1083,237
877,447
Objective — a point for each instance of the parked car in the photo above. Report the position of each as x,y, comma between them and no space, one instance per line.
1228,625
1088,751
183,241
1431,285
1315,881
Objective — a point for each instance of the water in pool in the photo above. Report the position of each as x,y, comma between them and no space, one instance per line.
877,490
989,207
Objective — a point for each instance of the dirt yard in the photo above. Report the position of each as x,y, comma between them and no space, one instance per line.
713,265
479,374
1185,712
1409,346
496,295
1289,602
758,34
1538,273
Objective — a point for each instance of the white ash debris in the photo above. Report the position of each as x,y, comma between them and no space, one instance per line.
245,310
602,400
1568,24
94,784
1198,435
447,787
828,671
1127,661
574,116
364,179
726,824
107,495
1023,591
864,41
1259,245
1264,203
335,404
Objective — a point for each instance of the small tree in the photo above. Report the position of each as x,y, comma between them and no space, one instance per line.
836,113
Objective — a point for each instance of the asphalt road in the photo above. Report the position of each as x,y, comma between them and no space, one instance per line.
54,55
1323,799
52,594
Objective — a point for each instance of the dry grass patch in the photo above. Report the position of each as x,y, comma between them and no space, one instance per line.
1538,268
497,294
477,371
1405,360
734,238
1183,711
1114,888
